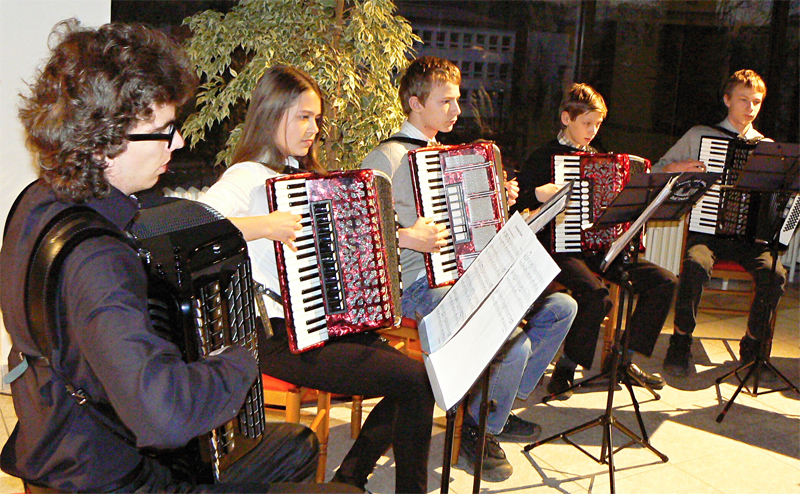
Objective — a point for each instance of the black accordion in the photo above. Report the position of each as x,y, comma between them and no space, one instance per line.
200,297
722,210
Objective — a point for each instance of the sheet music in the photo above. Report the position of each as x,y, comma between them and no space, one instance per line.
482,309
474,286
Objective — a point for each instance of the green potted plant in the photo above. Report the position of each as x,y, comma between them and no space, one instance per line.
353,48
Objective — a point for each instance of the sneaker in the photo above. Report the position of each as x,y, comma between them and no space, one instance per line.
560,382
496,467
676,363
519,430
637,375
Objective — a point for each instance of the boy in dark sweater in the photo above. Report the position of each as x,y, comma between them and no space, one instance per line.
581,113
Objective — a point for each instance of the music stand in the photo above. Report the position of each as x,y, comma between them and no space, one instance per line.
645,197
771,168
640,191
449,433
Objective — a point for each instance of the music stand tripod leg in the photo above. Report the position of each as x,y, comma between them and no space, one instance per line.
607,420
762,359
449,431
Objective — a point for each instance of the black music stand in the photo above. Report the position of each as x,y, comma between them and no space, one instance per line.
627,206
449,433
773,169
645,197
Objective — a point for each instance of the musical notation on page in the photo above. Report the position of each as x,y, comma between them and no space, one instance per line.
482,309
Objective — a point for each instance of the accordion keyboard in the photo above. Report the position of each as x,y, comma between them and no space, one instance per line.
704,214
568,223
302,268
433,196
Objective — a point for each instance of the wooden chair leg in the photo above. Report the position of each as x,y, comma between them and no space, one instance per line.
322,426
610,324
293,398
457,434
355,417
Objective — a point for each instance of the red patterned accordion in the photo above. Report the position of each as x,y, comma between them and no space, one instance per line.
461,187
345,276
598,180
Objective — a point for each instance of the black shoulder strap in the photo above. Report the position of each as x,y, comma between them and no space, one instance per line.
734,135
61,235
406,140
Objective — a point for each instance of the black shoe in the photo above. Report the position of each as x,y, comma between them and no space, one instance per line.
748,349
560,382
638,375
676,363
496,467
341,479
519,430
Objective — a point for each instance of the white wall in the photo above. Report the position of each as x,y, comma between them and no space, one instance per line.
24,29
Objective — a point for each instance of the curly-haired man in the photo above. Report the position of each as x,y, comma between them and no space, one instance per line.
100,118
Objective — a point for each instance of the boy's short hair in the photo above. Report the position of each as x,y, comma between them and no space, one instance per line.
748,78
580,99
422,75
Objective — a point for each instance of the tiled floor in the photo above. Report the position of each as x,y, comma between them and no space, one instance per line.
755,449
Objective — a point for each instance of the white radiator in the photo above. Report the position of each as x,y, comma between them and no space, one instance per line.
665,241
191,193
664,244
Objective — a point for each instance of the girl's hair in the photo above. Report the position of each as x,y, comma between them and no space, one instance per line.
277,90
580,99
96,85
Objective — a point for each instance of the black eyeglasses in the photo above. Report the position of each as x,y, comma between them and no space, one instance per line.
166,136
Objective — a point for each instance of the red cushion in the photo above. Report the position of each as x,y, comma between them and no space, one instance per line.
729,266
407,322
276,384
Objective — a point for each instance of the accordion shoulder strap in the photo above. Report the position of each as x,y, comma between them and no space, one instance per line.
406,140
60,237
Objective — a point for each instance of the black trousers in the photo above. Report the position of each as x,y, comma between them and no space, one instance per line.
284,461
364,364
653,285
702,251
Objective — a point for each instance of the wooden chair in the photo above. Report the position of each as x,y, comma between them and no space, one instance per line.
289,397
609,322
406,339
726,271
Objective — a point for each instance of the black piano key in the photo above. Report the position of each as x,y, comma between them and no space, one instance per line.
312,298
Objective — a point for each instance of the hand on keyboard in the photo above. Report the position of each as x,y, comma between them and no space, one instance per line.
423,236
685,166
282,227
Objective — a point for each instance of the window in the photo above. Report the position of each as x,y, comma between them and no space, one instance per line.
493,42
454,40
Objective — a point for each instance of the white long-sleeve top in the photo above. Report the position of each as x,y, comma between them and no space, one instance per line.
242,191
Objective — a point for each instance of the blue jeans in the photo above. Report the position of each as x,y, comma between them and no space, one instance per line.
521,362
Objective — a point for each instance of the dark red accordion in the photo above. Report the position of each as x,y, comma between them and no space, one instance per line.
461,187
345,277
599,178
